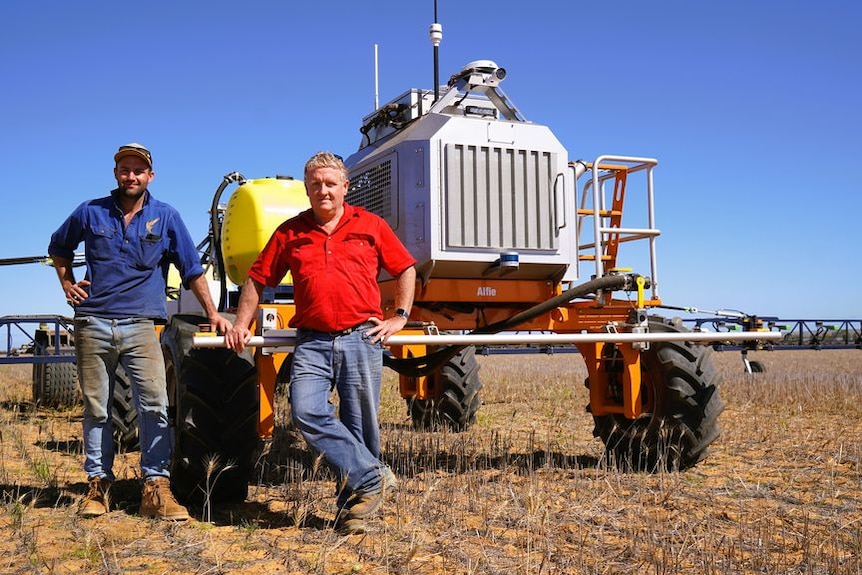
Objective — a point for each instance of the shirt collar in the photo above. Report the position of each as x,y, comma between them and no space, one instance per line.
349,213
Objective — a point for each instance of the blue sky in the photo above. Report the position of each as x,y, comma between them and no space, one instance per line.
752,109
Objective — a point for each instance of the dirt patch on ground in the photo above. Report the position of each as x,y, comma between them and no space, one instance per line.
525,490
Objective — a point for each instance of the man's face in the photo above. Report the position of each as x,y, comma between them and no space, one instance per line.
133,176
326,189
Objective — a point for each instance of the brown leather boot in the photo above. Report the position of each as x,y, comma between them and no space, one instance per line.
97,500
362,506
158,501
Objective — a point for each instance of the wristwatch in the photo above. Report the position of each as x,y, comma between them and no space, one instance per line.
401,312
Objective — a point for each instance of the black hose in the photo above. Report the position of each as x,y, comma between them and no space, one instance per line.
423,365
215,234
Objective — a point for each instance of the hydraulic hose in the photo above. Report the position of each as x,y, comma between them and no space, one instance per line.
215,235
420,366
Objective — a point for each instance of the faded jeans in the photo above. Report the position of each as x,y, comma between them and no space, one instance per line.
100,346
350,443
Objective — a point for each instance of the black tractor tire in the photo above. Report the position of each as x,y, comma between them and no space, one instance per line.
457,400
215,402
55,385
124,414
679,387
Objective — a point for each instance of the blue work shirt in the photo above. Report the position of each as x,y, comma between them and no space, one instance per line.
127,266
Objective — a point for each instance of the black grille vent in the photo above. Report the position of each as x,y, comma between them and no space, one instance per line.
372,190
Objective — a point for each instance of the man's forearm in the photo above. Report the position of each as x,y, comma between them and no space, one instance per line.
405,288
200,287
248,301
63,267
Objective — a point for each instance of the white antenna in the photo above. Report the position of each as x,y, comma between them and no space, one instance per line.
436,35
376,82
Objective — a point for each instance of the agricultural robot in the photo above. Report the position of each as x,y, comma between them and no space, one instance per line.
516,244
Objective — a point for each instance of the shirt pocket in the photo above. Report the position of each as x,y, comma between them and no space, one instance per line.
303,258
102,238
359,253
150,252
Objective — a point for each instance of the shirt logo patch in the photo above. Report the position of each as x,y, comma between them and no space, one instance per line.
150,224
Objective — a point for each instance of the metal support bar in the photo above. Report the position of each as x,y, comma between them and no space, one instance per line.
210,341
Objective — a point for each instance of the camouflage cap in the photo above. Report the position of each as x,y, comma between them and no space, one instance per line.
134,149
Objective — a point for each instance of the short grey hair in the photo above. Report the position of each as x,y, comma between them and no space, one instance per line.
325,160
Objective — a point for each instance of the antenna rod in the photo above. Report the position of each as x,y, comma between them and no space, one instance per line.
436,34
376,82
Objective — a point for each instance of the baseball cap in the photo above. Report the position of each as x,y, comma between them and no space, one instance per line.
134,149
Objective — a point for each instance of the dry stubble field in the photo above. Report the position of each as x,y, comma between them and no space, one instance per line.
524,491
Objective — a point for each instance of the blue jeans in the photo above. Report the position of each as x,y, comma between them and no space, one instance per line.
100,346
350,443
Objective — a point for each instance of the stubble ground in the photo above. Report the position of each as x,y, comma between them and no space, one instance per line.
525,490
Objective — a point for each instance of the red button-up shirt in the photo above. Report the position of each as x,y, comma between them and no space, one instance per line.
334,275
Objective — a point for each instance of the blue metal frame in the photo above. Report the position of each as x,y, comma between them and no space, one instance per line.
39,354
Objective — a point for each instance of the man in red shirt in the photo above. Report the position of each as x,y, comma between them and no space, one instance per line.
335,251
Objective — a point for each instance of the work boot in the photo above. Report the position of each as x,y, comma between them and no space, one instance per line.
364,505
361,506
347,525
158,501
350,519
96,502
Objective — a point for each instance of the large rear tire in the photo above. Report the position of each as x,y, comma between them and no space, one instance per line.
124,414
681,402
457,400
216,404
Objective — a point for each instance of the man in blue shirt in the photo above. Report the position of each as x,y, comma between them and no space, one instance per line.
130,240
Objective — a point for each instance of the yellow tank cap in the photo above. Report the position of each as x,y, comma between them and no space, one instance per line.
253,212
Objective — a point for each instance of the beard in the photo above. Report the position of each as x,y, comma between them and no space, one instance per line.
132,191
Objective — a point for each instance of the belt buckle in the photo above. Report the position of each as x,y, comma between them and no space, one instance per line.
343,332
347,331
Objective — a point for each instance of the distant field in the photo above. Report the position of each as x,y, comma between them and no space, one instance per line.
523,491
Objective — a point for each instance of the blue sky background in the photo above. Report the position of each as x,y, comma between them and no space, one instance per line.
752,109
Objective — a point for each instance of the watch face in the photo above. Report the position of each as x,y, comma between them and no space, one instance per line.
402,312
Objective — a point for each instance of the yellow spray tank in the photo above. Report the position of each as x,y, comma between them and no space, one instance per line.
254,211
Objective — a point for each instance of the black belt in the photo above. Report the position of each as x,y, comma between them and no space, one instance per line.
343,332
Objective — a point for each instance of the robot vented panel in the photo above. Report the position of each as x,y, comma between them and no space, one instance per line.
496,197
372,190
